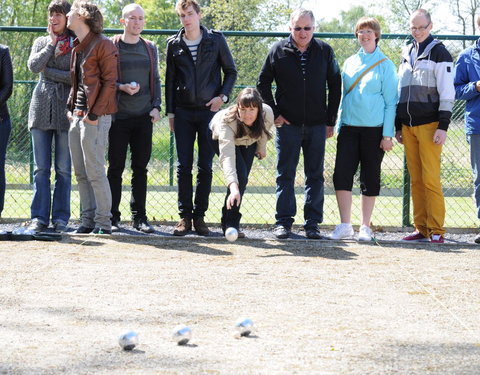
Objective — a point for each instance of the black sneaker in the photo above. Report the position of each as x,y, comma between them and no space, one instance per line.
98,230
36,226
142,225
59,227
281,232
115,225
83,230
313,233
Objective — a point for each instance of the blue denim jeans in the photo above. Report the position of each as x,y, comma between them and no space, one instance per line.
190,124
5,128
474,142
289,141
42,204
88,144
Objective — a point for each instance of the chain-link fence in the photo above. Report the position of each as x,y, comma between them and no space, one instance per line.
249,50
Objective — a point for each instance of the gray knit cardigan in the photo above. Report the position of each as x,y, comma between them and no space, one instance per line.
49,100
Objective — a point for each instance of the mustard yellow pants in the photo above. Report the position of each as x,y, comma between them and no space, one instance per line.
423,162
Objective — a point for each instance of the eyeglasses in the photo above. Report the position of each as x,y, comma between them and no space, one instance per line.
306,28
362,32
421,28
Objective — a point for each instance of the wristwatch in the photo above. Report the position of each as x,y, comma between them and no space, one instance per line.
387,138
224,98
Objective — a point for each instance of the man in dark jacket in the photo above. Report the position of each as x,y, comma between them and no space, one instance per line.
92,101
6,88
194,91
302,68
138,93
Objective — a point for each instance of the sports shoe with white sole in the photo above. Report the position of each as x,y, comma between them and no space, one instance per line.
341,231
365,233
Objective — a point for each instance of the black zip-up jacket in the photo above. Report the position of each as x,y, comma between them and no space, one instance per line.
302,100
192,85
6,80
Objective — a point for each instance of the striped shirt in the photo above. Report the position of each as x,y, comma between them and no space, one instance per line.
303,59
193,46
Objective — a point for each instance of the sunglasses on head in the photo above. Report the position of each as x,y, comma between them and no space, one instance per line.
306,28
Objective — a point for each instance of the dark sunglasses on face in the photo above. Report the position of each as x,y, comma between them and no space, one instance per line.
306,28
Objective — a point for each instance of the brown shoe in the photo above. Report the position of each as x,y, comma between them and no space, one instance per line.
183,227
241,234
200,226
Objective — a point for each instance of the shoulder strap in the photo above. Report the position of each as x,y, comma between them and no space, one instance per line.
363,73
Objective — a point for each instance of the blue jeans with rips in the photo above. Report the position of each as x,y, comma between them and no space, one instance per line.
289,141
42,203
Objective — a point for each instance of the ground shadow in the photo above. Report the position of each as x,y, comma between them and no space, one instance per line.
200,245
424,246
423,358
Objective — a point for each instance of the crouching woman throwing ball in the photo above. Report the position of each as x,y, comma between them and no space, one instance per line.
240,133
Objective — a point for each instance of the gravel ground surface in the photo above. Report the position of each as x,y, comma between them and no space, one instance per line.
319,307
454,235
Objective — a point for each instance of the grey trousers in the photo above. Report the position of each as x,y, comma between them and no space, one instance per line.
88,144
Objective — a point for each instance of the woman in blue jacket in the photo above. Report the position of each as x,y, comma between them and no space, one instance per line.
365,127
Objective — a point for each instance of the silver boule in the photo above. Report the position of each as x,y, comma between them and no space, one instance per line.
128,340
182,334
133,84
244,326
231,234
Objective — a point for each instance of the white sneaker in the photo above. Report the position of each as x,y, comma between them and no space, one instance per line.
365,233
342,231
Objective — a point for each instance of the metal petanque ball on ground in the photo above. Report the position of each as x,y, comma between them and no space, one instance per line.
128,340
243,327
182,334
231,234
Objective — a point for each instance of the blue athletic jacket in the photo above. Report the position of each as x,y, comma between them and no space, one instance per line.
373,101
467,73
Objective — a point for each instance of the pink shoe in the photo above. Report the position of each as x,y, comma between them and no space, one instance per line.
437,238
415,237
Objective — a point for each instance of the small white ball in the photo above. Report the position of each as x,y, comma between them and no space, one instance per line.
231,234
182,334
133,84
128,340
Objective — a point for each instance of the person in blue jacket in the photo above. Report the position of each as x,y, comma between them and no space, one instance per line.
467,87
366,126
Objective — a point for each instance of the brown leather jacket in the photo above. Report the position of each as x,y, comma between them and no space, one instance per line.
99,74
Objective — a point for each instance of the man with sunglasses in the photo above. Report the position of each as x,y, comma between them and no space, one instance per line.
302,68
423,114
